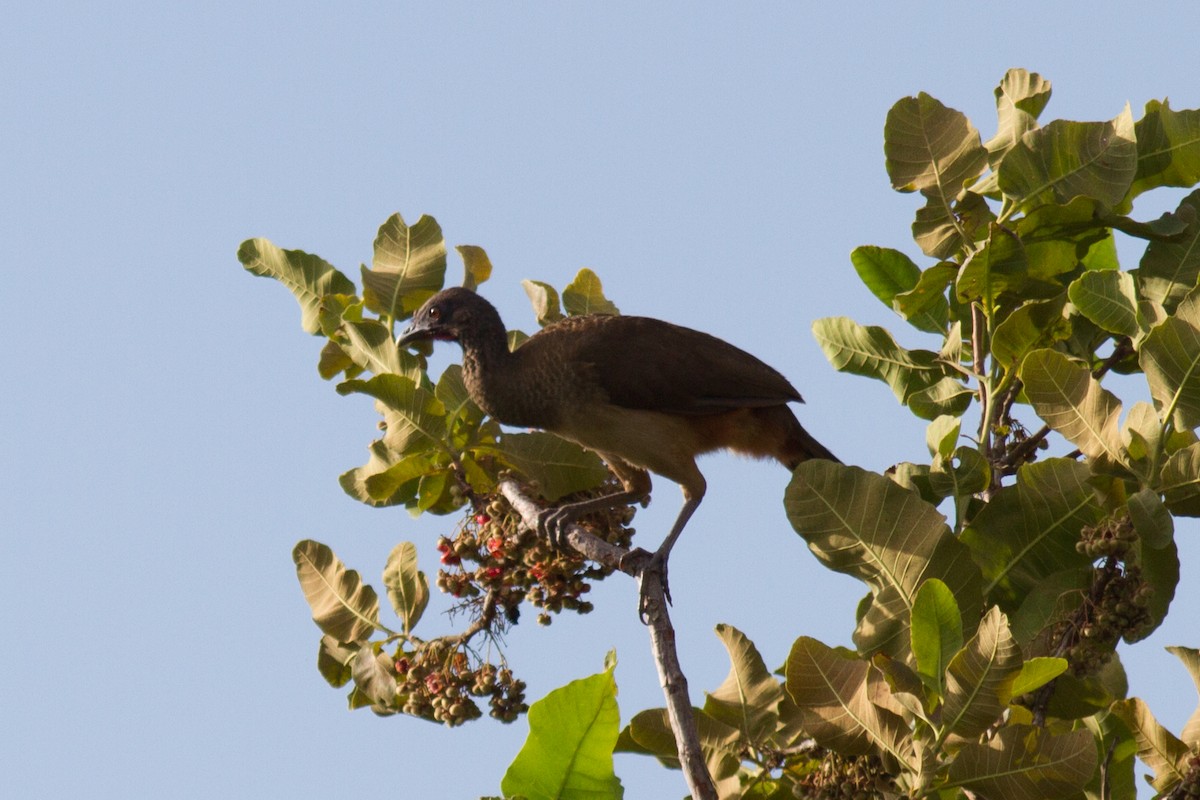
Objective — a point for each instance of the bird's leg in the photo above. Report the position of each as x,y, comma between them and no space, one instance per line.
658,560
552,522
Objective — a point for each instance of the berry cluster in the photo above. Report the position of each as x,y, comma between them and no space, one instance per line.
1116,606
440,684
831,776
492,554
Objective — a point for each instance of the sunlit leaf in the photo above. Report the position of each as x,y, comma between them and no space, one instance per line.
1028,531
308,277
407,586
997,267
1026,763
1158,748
865,525
1073,403
1170,269
408,268
931,148
1181,482
1035,324
1020,98
830,687
926,301
941,230
936,631
374,677
477,267
415,418
1168,148
559,467
977,676
1170,358
888,273
942,435
1108,298
371,347
334,659
544,298
749,696
961,474
585,295
1034,674
568,754
343,606
1068,159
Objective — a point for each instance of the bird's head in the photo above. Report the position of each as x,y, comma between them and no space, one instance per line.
447,316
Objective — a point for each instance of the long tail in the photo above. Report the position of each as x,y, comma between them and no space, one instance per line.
799,445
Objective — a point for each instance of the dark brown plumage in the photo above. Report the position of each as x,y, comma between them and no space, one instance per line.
644,394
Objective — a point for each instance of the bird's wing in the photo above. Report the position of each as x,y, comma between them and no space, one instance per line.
650,364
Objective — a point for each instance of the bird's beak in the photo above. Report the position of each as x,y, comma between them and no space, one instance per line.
411,334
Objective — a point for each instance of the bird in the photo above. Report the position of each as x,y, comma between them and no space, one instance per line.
645,395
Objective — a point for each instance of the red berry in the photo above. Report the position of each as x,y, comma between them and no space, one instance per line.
494,572
450,559
495,545
482,519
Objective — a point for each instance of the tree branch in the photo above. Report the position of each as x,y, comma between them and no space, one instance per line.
662,637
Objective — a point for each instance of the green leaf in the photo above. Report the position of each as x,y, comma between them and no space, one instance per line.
559,467
1158,748
1160,569
1028,531
1065,160
415,418
334,659
749,697
936,632
585,295
1169,270
1108,299
369,344
1190,657
1025,763
872,352
864,525
568,755
477,267
408,268
1181,482
977,676
1170,358
407,586
1020,99
926,301
1072,402
308,277
1036,324
1151,519
830,686
1168,148
374,678
343,606
381,486
931,148
888,273
941,230
960,475
1033,675
942,435
545,301
999,266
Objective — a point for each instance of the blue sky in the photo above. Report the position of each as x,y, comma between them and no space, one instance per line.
169,440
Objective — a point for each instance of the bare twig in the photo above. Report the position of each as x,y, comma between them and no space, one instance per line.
662,637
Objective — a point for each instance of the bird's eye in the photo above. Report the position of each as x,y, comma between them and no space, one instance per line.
434,313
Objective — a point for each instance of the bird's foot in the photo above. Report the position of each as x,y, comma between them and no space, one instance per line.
645,564
552,524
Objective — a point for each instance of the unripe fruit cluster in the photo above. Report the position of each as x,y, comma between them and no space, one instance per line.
837,777
441,685
492,552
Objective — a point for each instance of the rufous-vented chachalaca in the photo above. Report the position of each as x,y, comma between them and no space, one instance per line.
642,393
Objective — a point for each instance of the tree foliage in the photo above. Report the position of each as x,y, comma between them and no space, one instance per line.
1000,575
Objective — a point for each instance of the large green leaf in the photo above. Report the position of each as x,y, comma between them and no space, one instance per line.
1109,299
408,268
415,418
1170,358
1028,531
374,680
477,267
997,267
977,676
862,524
936,632
559,467
1067,159
931,148
370,346
926,300
888,273
407,586
1168,148
544,298
1160,749
1026,763
585,295
308,277
871,351
568,755
1074,404
1169,269
1020,98
832,689
749,697
1181,481
1039,323
343,606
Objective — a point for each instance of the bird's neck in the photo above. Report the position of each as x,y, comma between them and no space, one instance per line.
488,366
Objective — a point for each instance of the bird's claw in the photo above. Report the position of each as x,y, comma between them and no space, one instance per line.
643,563
552,525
